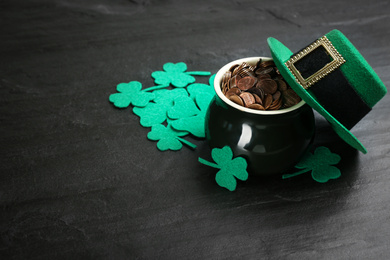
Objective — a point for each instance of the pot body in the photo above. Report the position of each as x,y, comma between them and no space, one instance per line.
271,142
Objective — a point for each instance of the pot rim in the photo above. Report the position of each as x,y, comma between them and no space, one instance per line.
251,61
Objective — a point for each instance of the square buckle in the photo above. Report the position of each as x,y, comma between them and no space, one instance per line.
337,61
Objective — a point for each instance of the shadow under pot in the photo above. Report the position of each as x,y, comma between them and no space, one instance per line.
272,142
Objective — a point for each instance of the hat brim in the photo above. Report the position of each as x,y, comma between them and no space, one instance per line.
281,54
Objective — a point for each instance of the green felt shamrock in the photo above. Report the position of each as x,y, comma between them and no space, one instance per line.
132,93
191,119
167,96
229,168
196,89
168,138
153,104
183,107
151,114
319,164
176,75
156,112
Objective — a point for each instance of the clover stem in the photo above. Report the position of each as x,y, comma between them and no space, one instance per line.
198,73
285,176
186,142
214,165
155,87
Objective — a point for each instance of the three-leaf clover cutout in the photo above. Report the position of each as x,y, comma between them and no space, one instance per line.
156,112
163,106
190,117
320,164
229,168
176,75
190,113
168,138
199,89
132,93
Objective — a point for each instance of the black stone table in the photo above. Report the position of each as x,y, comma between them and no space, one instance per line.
80,180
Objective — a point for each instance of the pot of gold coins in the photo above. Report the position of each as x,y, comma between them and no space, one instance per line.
258,115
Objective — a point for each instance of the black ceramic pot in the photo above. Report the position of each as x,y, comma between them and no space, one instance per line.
272,142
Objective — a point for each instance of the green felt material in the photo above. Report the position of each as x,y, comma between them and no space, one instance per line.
156,112
151,114
189,112
229,168
281,54
157,106
357,70
320,164
194,124
167,96
132,93
183,107
196,89
168,138
176,75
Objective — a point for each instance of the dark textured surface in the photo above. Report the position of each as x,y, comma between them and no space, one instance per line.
80,180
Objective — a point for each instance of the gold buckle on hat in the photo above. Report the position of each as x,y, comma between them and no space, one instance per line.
337,61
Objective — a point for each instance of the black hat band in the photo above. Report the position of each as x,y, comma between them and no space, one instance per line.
332,90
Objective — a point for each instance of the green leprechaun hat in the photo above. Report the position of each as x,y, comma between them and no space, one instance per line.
333,78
